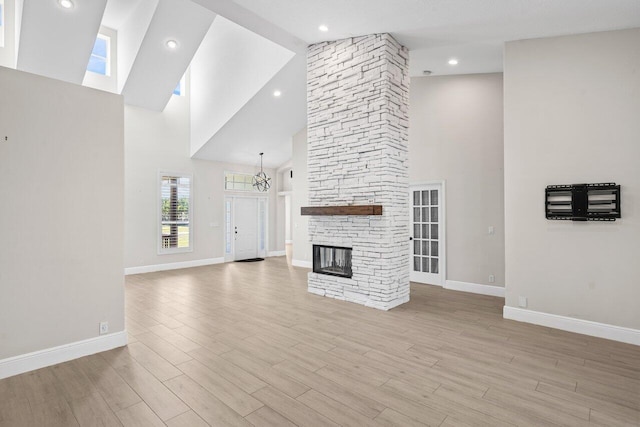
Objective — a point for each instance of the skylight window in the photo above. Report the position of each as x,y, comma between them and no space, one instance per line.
99,62
102,68
181,88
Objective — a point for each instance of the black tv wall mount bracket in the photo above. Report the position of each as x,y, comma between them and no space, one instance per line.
583,202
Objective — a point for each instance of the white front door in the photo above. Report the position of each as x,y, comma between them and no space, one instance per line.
245,221
427,234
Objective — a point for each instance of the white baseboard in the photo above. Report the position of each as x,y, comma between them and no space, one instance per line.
172,266
571,324
42,358
277,253
474,288
301,263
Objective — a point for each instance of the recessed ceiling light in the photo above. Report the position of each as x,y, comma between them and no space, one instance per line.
426,72
277,93
453,61
172,44
323,28
67,4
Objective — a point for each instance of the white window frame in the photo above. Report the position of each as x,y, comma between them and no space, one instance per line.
161,249
107,69
107,82
253,189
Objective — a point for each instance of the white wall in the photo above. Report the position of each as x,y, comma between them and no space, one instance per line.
281,218
287,218
300,197
8,51
572,108
160,141
62,216
284,204
456,135
286,179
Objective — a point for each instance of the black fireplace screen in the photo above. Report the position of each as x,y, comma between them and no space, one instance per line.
332,260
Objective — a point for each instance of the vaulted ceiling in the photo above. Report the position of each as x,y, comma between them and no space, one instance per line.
240,52
157,69
473,31
57,43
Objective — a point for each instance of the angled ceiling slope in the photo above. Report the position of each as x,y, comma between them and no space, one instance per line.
131,19
57,42
157,69
230,67
265,123
244,17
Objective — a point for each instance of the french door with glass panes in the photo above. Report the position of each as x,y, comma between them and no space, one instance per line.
427,234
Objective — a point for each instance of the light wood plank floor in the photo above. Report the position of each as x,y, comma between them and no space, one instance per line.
245,344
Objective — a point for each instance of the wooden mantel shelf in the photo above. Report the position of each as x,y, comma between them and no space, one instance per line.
342,210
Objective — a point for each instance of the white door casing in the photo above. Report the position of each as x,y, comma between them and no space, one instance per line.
427,247
247,234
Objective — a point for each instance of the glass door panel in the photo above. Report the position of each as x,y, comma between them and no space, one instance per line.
426,253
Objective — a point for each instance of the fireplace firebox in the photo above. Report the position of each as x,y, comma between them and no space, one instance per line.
332,260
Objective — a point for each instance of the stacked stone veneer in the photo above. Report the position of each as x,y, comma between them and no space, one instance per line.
358,96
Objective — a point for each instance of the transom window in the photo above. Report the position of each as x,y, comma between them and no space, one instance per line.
99,62
238,182
175,213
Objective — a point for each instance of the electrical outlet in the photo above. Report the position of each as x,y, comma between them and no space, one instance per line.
492,278
522,302
104,328
491,230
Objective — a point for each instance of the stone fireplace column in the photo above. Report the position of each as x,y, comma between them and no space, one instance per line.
358,96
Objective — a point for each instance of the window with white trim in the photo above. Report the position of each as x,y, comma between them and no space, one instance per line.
238,182
100,60
102,68
175,233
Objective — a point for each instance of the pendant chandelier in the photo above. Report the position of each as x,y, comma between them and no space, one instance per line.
261,181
